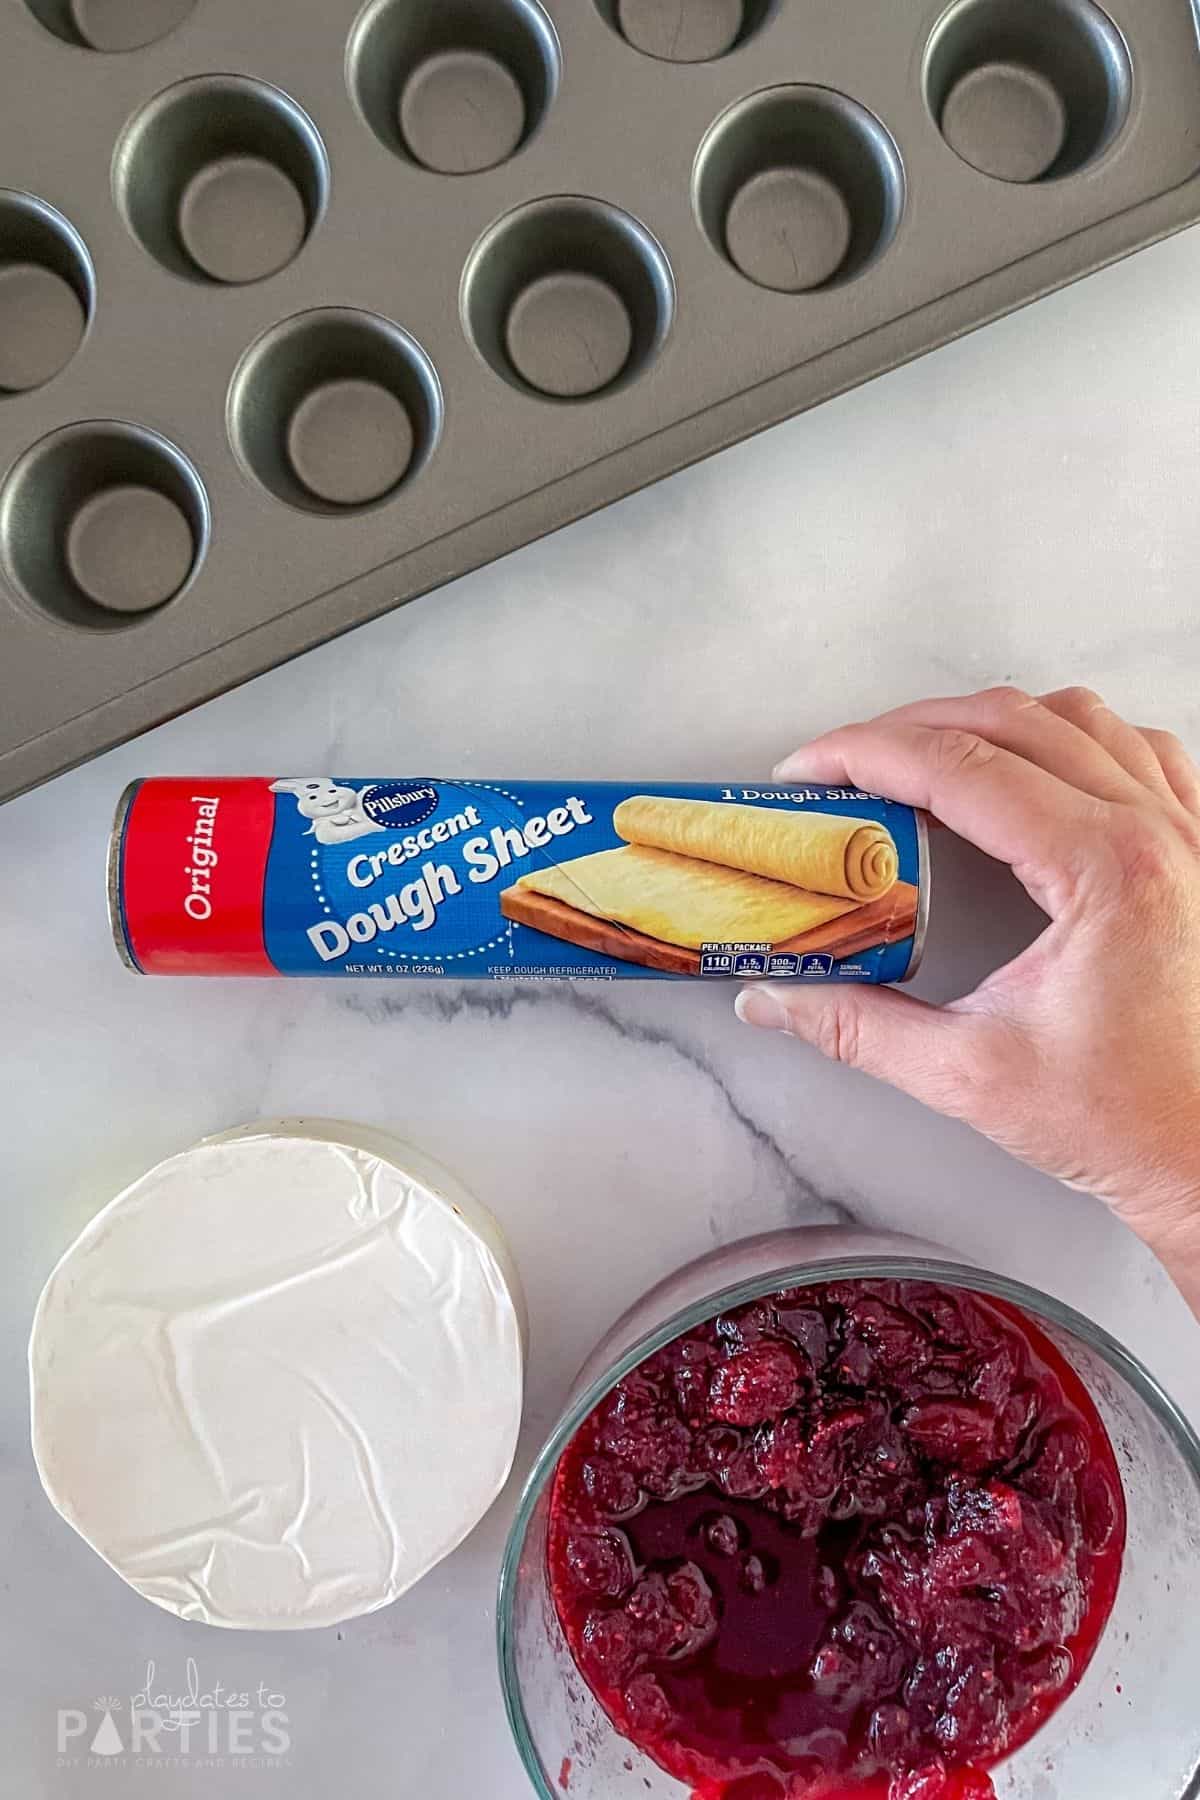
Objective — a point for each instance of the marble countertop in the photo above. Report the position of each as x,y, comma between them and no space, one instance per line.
1020,506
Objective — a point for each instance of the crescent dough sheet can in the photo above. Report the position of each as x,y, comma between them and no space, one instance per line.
404,877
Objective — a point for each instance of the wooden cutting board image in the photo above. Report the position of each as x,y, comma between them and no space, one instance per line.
884,921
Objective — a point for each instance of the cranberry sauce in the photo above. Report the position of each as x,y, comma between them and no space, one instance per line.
846,1541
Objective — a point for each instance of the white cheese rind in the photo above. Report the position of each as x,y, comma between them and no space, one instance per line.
279,1377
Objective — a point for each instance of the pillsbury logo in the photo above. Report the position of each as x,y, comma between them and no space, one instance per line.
397,805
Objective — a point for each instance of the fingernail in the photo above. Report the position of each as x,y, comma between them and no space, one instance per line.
761,1006
783,770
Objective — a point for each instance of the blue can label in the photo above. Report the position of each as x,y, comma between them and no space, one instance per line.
412,876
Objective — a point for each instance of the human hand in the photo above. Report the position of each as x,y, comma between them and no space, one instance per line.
1081,1056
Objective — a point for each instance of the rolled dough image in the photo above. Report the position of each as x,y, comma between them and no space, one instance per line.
824,852
683,900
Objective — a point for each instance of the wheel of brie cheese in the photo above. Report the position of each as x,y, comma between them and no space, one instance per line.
280,1377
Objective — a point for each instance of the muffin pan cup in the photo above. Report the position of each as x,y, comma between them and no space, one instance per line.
352,350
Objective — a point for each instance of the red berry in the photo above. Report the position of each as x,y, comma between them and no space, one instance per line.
611,1488
891,1738
730,1460
1099,1507
600,1561
807,1468
993,1377
958,1433
899,1342
647,1709
753,1575
691,1394
672,1616
692,1598
827,1588
723,1535
758,1383
609,1647
748,1325
807,1326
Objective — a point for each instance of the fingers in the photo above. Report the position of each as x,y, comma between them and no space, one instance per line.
1057,740
1048,830
1086,714
919,1049
1178,769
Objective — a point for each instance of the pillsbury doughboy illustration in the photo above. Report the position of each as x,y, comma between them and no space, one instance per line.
336,812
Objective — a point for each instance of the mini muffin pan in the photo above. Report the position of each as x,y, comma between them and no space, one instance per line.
305,309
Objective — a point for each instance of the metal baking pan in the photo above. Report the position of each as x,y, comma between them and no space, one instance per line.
305,309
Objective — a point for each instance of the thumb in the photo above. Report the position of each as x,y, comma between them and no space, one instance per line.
918,1048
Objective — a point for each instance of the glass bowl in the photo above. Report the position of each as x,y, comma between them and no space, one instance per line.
1131,1727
